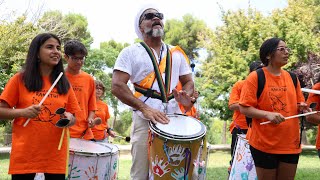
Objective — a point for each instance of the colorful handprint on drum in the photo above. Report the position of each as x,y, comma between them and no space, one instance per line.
91,173
179,174
158,167
176,155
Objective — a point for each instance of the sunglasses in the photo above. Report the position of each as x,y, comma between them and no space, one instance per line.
149,16
283,49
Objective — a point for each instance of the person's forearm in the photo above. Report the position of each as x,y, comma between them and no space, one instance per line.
252,112
91,115
234,107
123,93
188,88
9,114
313,118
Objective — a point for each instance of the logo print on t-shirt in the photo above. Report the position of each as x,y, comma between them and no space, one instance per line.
45,113
277,104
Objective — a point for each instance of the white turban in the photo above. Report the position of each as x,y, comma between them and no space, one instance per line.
140,12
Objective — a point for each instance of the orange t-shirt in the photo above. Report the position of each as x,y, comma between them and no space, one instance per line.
279,95
238,119
35,147
102,112
315,98
193,111
84,87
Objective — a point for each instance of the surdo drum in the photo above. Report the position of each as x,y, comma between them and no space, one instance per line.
174,148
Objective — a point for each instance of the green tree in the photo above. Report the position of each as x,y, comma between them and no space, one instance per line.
66,27
99,63
185,34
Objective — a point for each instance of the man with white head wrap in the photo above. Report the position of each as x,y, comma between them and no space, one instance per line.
134,63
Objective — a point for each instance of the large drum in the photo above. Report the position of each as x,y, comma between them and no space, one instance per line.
243,164
93,160
174,147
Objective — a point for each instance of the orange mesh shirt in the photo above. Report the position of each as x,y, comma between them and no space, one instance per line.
315,98
238,119
35,147
84,87
102,112
279,95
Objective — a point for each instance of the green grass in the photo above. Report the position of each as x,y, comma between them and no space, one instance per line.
308,167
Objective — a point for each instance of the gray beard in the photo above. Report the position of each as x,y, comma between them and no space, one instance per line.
154,32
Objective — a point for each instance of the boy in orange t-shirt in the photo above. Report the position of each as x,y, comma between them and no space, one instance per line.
84,88
275,146
315,118
35,145
239,124
101,132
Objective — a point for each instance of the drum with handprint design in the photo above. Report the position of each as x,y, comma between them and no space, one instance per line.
93,160
243,164
174,147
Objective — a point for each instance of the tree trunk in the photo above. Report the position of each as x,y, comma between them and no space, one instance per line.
224,133
114,120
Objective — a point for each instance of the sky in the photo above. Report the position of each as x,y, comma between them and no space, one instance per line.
115,19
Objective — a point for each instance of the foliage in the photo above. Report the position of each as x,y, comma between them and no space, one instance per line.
66,27
14,47
99,64
185,33
123,125
235,44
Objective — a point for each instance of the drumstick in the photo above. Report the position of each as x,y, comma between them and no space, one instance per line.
46,95
310,91
290,117
127,139
61,138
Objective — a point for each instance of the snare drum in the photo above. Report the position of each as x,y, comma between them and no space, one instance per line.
243,164
91,160
174,147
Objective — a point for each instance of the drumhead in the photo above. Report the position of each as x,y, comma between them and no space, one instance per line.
180,127
80,146
112,148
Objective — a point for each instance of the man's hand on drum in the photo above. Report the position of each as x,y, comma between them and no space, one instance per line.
182,97
154,115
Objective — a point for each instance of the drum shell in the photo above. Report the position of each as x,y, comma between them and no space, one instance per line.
167,150
243,164
93,164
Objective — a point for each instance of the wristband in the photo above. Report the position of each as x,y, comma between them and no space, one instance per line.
109,129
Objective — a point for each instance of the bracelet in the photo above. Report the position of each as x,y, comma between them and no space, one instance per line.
109,129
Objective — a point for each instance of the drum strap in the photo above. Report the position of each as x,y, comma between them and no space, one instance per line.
187,163
164,86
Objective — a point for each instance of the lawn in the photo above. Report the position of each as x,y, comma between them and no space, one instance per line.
308,168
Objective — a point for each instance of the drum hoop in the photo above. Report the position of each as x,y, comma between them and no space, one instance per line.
89,153
115,152
170,136
188,140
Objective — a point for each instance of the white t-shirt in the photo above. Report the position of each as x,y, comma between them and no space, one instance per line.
135,61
